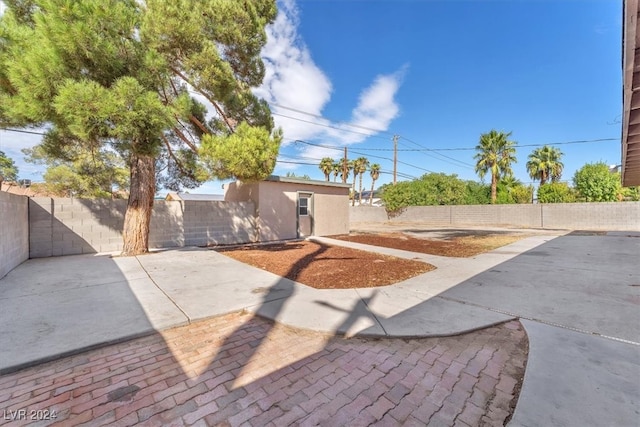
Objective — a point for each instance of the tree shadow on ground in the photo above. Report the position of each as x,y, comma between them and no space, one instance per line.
447,233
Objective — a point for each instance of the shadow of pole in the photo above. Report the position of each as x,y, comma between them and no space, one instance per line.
361,306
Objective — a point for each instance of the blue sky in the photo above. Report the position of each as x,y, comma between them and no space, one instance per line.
438,74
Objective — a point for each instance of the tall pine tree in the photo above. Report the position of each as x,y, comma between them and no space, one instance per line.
121,75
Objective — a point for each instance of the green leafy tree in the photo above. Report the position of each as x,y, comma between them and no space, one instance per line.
86,174
544,164
477,193
431,189
556,192
495,154
511,190
326,166
374,171
522,194
631,194
595,183
362,167
293,175
8,169
120,73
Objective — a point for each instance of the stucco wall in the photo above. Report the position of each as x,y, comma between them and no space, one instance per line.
77,226
277,211
14,231
276,204
331,211
573,216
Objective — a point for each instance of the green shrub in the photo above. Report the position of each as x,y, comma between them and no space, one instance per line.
556,192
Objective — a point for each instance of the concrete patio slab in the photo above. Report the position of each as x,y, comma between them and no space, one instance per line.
408,314
569,288
48,322
574,379
587,283
204,283
333,311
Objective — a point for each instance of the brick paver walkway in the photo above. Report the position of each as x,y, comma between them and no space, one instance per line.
242,370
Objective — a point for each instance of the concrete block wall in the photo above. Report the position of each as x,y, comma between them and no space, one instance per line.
64,226
207,223
436,215
511,215
572,216
592,216
79,226
367,214
14,231
166,229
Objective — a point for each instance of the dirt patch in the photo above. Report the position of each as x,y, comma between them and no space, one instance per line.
463,246
328,267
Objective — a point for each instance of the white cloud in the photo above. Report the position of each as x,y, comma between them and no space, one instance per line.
294,80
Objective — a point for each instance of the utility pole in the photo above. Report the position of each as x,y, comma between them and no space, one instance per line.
345,166
395,158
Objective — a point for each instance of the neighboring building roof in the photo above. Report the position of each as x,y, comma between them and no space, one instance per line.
367,194
631,95
295,180
195,197
15,188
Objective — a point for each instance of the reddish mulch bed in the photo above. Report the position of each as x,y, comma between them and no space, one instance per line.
466,246
328,267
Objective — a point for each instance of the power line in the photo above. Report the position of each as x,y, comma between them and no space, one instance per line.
422,148
328,126
296,163
362,154
439,154
324,118
584,141
22,131
444,159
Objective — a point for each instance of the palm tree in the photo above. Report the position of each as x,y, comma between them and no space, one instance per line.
337,168
326,166
495,155
544,164
375,174
355,166
363,165
345,167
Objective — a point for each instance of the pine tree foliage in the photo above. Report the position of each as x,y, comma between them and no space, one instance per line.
124,74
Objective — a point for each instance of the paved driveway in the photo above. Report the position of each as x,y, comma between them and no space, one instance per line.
578,297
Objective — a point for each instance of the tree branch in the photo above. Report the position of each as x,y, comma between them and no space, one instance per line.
182,136
175,159
208,98
198,123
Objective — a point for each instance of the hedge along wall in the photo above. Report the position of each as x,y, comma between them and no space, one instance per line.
14,231
63,226
572,216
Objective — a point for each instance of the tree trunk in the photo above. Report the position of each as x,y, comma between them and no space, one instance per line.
138,216
355,177
494,188
373,182
360,195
